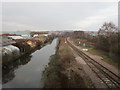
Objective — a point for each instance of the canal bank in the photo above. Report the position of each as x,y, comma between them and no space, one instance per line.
28,71
63,70
13,49
15,46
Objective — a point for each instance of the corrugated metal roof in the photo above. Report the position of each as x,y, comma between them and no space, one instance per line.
16,37
4,41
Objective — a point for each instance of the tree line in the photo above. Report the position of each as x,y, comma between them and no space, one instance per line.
107,38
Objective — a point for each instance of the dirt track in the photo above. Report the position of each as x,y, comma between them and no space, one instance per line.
64,71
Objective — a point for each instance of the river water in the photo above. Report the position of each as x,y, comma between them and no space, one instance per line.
27,72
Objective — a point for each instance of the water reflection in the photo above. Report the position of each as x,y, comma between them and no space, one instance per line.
27,71
8,72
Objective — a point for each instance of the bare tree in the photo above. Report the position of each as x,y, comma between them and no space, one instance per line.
107,29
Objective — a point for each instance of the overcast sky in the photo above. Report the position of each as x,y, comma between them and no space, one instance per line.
57,15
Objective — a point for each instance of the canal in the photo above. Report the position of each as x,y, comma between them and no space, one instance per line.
27,71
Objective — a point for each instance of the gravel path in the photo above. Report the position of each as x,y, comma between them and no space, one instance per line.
94,78
99,60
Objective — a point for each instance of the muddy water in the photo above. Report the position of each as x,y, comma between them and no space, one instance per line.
27,72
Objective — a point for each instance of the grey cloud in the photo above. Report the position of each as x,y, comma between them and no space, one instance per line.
50,16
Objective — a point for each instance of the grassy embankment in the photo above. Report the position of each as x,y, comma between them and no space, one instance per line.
60,71
101,53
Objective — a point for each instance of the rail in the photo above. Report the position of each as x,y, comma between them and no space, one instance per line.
110,79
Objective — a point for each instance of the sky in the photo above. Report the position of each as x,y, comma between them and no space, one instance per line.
57,15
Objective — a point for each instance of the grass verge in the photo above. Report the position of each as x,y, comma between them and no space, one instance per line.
60,71
101,53
104,55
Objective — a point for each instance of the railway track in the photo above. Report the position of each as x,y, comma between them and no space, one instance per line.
110,79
